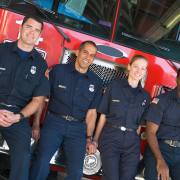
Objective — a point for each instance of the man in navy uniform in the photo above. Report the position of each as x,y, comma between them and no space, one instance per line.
23,87
75,93
162,156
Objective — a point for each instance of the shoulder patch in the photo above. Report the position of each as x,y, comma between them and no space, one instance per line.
155,100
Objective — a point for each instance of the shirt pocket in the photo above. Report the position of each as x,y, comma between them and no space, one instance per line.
116,104
4,79
139,109
85,99
27,84
60,92
32,79
172,116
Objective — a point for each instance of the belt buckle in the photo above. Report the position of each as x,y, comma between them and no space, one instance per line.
171,143
122,128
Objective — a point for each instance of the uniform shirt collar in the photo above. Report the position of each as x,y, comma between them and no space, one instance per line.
126,84
15,49
73,70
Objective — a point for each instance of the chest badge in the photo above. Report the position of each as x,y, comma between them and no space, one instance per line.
91,87
33,70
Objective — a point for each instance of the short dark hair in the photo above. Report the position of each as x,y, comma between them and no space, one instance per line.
178,73
35,18
87,42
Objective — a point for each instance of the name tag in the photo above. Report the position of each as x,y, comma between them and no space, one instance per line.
115,100
61,86
2,69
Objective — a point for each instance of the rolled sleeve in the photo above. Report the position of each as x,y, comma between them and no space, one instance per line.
155,111
43,88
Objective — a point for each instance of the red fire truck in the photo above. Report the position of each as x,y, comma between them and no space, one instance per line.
120,28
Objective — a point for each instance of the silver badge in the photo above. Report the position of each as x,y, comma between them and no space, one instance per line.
33,70
91,87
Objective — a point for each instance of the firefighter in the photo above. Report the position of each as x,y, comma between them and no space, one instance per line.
121,108
162,156
75,93
23,87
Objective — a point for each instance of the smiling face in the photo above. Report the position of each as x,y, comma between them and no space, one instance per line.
85,57
29,33
137,69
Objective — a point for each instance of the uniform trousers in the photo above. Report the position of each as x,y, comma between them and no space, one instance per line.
171,156
18,138
120,154
56,131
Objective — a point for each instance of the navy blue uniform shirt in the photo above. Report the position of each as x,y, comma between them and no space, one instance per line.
21,79
165,112
124,105
73,93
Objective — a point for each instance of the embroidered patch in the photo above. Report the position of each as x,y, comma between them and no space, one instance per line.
155,100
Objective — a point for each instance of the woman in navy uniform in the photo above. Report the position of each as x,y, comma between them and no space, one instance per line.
121,108
162,156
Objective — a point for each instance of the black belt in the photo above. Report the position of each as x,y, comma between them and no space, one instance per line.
122,128
65,117
172,143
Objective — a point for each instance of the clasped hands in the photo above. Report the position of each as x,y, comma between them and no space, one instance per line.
7,118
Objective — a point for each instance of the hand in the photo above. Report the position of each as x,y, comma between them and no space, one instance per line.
36,133
138,131
91,147
14,118
5,118
162,170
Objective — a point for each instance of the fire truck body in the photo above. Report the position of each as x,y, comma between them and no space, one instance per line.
112,34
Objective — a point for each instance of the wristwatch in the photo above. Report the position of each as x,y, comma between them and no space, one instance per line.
89,138
21,115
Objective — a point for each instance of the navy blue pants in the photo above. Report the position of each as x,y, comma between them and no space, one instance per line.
171,156
120,154
55,131
18,137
